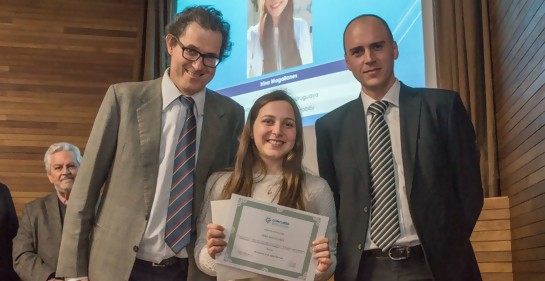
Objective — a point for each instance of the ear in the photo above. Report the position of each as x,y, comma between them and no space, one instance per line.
396,50
170,42
50,177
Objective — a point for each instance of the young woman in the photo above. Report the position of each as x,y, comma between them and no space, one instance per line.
269,168
279,41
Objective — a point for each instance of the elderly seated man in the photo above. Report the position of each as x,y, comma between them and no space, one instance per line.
36,246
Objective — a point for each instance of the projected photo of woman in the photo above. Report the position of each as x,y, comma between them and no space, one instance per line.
278,40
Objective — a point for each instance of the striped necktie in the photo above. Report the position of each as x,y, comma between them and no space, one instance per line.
178,223
384,217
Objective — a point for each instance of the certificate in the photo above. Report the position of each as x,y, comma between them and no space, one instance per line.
270,239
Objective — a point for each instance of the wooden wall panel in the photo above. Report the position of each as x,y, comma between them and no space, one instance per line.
518,52
57,58
491,240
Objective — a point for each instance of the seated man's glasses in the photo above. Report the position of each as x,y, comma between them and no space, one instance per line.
191,54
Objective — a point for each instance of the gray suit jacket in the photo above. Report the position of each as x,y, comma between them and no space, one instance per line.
442,178
36,246
122,161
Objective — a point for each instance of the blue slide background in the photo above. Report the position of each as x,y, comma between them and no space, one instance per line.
329,18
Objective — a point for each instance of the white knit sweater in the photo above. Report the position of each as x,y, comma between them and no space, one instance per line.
318,199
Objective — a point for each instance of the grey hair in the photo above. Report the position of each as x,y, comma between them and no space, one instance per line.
61,146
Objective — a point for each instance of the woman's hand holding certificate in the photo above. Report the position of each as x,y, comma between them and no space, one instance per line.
322,254
215,237
271,240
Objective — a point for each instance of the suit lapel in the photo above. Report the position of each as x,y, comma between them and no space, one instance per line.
209,134
149,130
209,143
359,141
409,116
53,222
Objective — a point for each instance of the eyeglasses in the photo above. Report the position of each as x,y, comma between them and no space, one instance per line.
191,54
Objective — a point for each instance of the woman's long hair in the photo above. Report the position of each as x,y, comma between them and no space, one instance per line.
287,44
248,159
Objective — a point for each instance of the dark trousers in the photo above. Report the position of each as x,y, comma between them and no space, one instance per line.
146,271
385,269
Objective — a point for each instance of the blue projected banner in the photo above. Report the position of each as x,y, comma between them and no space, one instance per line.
321,82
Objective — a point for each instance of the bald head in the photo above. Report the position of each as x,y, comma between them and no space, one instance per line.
370,52
365,19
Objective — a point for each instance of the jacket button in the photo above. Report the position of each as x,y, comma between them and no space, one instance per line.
135,248
365,209
147,217
359,246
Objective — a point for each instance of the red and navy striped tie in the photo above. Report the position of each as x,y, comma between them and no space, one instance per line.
178,224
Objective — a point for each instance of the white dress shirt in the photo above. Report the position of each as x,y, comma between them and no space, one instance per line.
408,235
153,247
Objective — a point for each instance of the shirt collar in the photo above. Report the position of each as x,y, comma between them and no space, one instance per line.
63,200
170,93
392,96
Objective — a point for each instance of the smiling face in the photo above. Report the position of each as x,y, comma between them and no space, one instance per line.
370,55
191,77
63,169
274,133
275,7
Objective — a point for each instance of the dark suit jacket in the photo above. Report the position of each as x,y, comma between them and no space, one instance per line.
8,230
36,246
122,155
442,177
